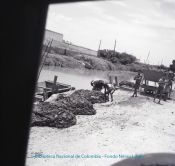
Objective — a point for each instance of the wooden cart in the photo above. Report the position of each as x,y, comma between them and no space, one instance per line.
151,76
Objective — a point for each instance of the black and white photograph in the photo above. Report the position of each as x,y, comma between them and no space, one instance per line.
105,85
105,88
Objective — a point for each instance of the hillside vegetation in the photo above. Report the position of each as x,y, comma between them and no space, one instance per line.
105,60
78,61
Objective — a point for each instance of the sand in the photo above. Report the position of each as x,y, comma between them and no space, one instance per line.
126,126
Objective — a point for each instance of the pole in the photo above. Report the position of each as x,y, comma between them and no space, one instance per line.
147,56
54,88
44,57
116,81
140,58
45,50
114,45
99,45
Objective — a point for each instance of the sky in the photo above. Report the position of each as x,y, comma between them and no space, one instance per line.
138,26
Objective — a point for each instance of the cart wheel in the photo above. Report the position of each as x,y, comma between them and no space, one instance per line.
169,95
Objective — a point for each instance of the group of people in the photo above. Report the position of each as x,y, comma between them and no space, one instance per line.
164,87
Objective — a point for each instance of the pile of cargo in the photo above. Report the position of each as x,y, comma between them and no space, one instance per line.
61,113
48,114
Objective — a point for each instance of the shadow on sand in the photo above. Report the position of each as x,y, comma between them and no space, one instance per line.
134,101
152,159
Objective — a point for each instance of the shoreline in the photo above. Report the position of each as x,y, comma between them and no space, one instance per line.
126,126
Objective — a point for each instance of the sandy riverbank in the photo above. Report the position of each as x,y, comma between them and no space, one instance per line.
126,126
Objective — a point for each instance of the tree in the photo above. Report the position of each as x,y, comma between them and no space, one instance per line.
173,62
117,57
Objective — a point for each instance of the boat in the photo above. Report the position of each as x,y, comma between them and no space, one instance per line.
45,89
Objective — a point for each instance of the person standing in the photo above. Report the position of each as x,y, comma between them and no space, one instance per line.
169,85
138,79
167,89
160,88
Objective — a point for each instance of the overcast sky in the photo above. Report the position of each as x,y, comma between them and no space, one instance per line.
137,25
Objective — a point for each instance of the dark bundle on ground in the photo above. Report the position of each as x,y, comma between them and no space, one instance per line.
49,114
61,113
126,83
92,96
81,101
78,106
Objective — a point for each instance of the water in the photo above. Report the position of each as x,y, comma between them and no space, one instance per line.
80,79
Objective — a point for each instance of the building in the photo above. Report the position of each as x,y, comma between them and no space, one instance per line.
63,46
49,35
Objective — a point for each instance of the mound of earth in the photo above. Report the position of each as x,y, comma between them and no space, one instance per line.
49,114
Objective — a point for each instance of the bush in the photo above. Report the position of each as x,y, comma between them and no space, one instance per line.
172,66
162,67
173,62
116,57
95,62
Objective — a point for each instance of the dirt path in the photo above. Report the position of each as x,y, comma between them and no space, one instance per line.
126,126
